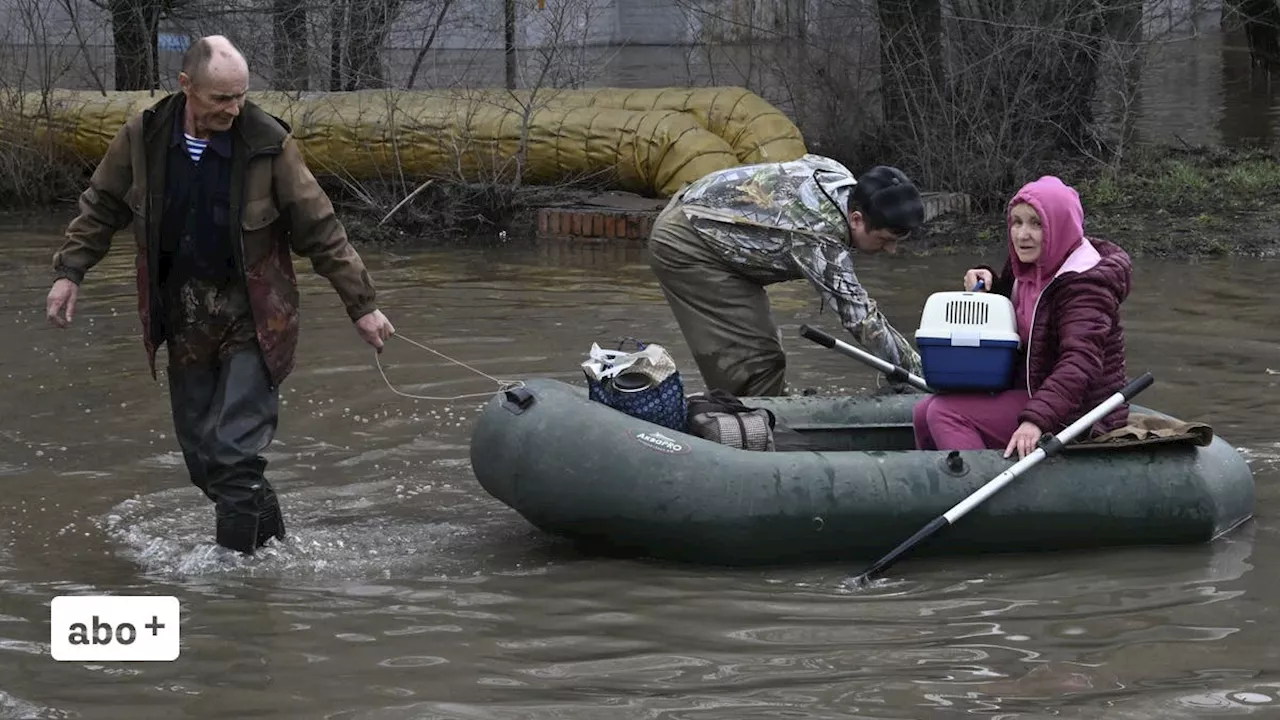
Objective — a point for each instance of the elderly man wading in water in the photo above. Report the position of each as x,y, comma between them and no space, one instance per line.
219,197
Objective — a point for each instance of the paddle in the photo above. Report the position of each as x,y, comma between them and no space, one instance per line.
893,372
1049,446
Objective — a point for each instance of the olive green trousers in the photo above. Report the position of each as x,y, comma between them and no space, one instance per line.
725,317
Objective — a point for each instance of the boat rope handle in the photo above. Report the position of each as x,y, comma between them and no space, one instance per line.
503,385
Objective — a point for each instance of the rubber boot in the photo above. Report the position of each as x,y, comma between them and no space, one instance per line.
238,532
246,533
270,522
234,418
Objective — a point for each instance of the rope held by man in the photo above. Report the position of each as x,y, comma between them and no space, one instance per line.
503,385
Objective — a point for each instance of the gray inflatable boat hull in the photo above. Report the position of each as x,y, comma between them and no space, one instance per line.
580,470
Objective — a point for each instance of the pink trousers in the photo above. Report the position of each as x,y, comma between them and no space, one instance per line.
968,421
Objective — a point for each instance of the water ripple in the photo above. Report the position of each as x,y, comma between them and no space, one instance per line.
404,591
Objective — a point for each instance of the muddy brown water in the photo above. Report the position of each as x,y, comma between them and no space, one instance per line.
406,592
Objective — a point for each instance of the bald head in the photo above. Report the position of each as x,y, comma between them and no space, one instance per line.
215,78
214,57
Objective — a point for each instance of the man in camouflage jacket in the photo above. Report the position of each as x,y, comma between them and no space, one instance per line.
727,235
219,197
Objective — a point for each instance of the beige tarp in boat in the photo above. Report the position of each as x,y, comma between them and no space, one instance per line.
1149,429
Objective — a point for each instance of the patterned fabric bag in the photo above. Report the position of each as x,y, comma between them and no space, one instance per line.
720,417
644,384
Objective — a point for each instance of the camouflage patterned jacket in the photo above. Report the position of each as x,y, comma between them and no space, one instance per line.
787,221
277,208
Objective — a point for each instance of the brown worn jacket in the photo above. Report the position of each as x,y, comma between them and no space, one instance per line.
277,207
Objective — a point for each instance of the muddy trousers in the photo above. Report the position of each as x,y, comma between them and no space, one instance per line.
725,318
225,416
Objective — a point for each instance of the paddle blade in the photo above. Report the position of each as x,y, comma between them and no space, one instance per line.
883,563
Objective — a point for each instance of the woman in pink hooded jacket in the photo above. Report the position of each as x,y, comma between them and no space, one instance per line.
1066,291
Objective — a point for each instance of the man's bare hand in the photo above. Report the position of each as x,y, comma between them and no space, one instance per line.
375,328
60,306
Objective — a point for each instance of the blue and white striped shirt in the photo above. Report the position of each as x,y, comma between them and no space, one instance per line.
195,147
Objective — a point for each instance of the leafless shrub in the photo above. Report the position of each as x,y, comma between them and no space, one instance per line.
972,95
343,45
483,189
1261,22
32,170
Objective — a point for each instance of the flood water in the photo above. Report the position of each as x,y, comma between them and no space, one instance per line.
405,591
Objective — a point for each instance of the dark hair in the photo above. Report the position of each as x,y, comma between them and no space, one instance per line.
888,199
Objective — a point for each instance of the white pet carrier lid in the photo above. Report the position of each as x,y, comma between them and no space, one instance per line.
968,318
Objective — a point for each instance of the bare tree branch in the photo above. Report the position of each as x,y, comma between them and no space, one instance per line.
428,43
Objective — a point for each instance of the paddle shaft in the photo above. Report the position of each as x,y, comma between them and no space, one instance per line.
894,372
1049,446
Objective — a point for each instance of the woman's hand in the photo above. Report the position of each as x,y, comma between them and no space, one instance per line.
1024,440
972,277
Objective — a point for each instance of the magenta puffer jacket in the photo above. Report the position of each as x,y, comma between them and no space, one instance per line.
1075,357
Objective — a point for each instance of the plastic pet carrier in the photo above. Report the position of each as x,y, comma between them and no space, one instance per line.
968,341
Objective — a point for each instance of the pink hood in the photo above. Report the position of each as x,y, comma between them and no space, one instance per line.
1064,247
